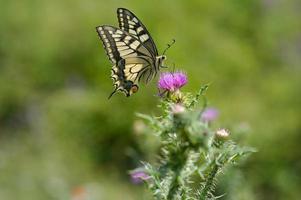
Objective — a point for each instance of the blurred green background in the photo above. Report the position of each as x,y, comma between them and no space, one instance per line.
60,138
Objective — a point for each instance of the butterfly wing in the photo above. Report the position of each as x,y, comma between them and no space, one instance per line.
130,23
131,59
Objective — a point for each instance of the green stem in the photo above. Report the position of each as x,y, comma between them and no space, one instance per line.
175,184
209,183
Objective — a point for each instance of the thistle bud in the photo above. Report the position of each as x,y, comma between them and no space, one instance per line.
222,134
177,109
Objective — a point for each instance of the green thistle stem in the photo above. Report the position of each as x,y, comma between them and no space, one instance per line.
174,185
181,158
209,186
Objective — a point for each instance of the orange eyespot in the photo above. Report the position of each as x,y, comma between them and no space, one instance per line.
134,89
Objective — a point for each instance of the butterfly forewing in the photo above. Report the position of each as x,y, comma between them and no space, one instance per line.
130,23
130,58
132,51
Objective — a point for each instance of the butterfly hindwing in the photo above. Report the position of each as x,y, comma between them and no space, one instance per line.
127,72
130,23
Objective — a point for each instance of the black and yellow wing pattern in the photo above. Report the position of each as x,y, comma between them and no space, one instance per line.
132,52
130,23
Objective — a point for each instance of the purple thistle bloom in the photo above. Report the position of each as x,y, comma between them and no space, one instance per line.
209,114
172,81
166,81
138,177
180,79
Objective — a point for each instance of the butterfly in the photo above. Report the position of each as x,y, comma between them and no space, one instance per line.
132,52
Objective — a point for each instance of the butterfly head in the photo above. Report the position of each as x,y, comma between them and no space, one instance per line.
159,61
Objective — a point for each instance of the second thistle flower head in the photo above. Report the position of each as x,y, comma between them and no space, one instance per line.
209,114
138,176
172,81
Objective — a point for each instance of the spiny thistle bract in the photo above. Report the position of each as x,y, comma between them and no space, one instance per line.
192,155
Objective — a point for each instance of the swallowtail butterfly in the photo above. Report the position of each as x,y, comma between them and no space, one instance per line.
132,52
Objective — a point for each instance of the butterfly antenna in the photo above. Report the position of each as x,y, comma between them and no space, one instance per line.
168,46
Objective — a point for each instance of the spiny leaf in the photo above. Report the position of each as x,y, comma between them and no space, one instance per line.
198,95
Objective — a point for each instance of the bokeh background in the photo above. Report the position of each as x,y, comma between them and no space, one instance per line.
60,138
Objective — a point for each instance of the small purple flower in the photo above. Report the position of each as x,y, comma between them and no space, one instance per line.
172,81
139,176
209,114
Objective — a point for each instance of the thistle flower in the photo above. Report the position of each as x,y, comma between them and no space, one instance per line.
138,176
172,81
180,79
209,114
183,138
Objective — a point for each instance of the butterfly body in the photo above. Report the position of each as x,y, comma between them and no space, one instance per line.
132,52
